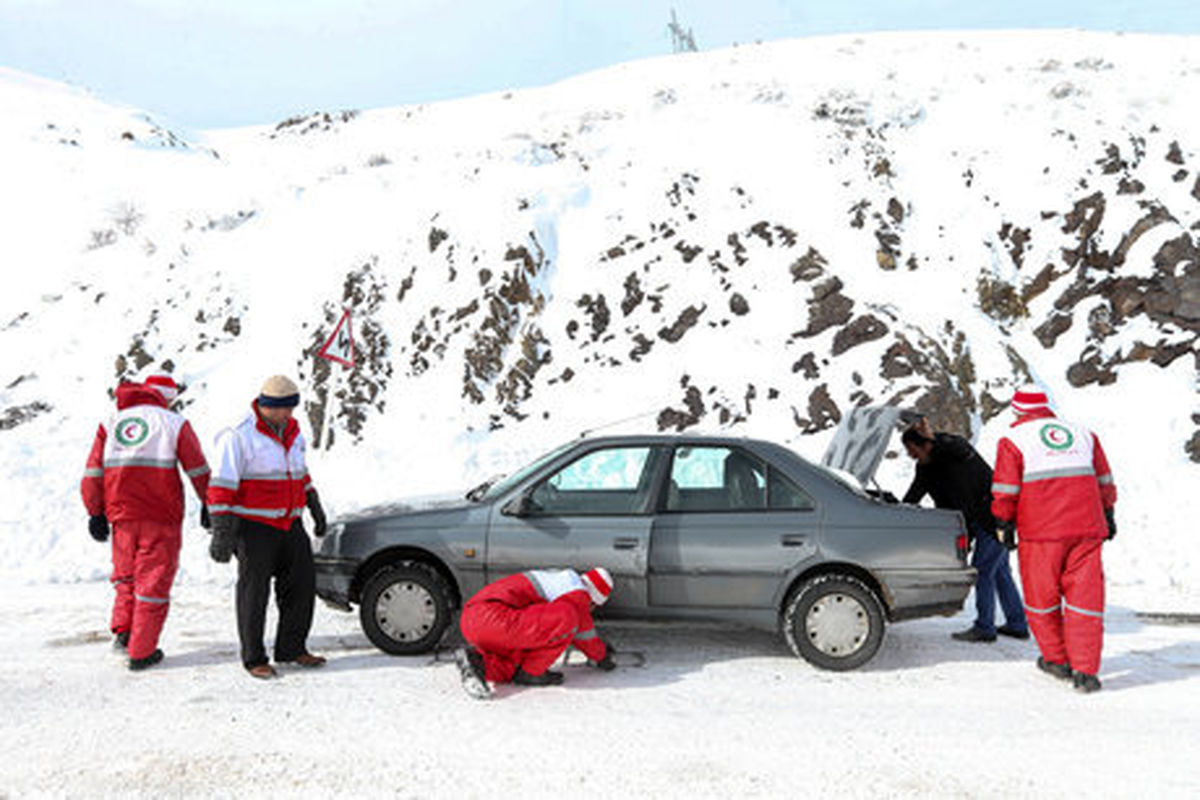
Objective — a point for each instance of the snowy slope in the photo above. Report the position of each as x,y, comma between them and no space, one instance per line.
750,240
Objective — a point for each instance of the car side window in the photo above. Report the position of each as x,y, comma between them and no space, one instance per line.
782,493
609,481
716,479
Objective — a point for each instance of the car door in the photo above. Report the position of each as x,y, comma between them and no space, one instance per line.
729,528
595,511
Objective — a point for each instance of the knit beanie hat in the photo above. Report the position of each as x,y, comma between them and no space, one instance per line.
279,392
162,383
1028,399
598,583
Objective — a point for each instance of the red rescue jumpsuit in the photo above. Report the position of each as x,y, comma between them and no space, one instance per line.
132,478
526,621
1052,478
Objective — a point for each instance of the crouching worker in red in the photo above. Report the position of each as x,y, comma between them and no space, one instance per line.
518,626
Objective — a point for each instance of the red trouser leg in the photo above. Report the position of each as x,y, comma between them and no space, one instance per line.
1083,604
1041,570
123,545
156,558
553,624
530,638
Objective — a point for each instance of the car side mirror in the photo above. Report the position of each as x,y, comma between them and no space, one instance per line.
520,506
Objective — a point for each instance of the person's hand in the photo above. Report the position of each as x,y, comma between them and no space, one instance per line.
1112,524
320,525
98,527
1006,532
224,538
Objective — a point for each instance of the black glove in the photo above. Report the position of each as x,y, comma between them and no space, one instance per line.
1112,524
1006,532
318,513
98,527
205,519
608,663
224,538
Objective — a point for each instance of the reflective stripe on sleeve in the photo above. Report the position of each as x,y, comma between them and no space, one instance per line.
158,601
583,637
198,471
223,483
1005,488
94,472
1105,480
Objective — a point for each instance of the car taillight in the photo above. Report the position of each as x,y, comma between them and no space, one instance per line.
961,543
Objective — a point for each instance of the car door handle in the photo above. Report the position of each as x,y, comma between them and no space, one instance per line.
793,539
623,543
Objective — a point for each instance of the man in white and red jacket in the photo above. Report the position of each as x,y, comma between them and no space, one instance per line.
1053,485
518,626
132,482
260,487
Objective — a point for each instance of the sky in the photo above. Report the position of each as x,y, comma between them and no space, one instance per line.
226,63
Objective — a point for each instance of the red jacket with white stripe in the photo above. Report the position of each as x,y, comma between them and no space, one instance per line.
260,475
549,586
131,471
1052,478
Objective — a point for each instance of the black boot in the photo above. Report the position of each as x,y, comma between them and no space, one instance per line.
139,664
121,640
547,678
1086,683
1060,671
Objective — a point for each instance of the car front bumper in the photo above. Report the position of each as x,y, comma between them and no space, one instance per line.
334,578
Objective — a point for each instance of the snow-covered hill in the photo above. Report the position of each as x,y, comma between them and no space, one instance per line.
751,240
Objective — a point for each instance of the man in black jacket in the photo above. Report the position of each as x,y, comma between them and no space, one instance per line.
955,476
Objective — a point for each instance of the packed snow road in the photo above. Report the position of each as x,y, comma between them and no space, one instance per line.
716,711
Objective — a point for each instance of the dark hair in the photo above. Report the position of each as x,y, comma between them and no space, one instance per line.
913,436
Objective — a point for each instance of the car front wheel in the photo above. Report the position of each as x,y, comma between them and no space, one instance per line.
405,608
834,622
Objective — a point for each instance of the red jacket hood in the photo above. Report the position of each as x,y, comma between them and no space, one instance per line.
1041,413
137,394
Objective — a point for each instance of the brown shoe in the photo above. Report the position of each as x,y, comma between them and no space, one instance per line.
263,671
308,660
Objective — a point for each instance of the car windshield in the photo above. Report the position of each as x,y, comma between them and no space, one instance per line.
496,487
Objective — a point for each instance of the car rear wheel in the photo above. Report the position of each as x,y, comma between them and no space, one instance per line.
834,622
405,608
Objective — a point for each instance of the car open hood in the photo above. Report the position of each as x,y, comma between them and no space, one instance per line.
862,438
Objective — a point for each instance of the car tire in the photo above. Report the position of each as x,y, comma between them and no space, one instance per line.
405,608
834,622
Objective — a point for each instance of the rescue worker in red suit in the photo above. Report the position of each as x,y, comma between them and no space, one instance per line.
518,626
1052,486
259,489
131,482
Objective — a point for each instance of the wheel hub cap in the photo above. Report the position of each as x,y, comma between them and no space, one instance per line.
405,611
837,625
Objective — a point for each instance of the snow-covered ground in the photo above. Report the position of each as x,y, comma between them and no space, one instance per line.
715,712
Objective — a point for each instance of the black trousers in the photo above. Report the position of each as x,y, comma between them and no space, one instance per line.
264,553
